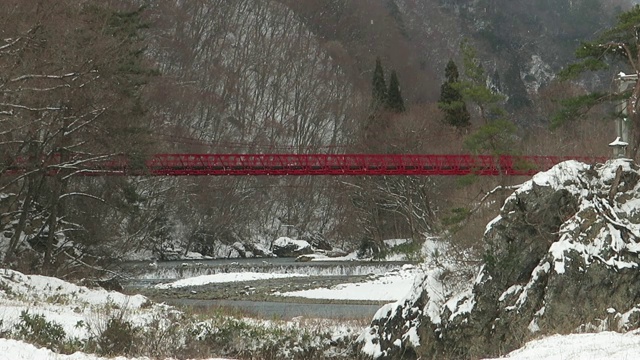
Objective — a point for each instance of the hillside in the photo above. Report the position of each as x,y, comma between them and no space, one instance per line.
522,43
241,76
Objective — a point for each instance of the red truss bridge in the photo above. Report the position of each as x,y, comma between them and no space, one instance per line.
312,164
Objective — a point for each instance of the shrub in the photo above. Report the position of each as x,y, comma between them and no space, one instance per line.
37,330
118,338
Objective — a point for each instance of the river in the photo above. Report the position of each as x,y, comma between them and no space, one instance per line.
144,275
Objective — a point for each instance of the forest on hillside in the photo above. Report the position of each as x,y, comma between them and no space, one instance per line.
85,82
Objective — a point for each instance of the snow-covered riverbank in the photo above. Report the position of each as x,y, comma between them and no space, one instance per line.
80,311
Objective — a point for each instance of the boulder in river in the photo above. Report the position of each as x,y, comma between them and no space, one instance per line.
287,247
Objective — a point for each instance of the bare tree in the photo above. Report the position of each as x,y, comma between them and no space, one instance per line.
247,76
70,97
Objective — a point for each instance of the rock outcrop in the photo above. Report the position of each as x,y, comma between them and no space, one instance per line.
563,256
287,247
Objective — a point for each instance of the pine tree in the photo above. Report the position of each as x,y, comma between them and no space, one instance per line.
496,135
451,72
451,100
616,49
379,92
395,102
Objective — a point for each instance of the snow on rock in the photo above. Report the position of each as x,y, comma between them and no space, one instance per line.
287,247
561,254
536,75
396,326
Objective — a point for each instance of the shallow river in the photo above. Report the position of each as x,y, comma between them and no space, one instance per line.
285,310
144,275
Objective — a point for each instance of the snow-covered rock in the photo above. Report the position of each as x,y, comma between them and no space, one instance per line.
562,256
287,247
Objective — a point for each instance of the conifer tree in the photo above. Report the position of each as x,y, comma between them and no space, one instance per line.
379,92
616,47
496,135
451,100
395,102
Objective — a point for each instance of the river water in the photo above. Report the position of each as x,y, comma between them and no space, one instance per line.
285,310
145,274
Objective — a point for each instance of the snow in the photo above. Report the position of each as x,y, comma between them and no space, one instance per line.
39,292
533,326
285,241
223,278
395,242
437,295
492,223
412,336
51,298
461,303
618,142
371,343
321,257
391,286
18,350
604,345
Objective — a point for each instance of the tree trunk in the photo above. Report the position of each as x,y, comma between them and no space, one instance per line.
52,224
22,221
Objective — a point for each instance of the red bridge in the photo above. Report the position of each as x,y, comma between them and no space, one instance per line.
313,164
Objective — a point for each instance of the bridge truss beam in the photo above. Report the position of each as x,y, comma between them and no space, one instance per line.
320,164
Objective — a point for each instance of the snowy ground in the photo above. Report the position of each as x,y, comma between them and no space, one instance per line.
224,277
68,304
17,350
65,304
391,286
606,345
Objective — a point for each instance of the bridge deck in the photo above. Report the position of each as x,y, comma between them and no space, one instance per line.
313,164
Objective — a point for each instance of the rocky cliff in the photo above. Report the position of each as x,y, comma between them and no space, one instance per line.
562,256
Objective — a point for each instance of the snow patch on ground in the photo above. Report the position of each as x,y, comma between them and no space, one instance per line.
224,277
604,345
18,350
67,304
391,286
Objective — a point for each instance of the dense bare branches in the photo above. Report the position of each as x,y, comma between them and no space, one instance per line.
69,93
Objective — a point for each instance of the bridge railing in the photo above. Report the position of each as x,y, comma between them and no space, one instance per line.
316,164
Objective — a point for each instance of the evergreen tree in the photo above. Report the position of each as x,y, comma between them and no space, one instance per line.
451,101
496,135
618,47
379,92
451,72
395,102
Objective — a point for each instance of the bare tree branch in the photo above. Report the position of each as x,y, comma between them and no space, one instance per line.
36,76
23,107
